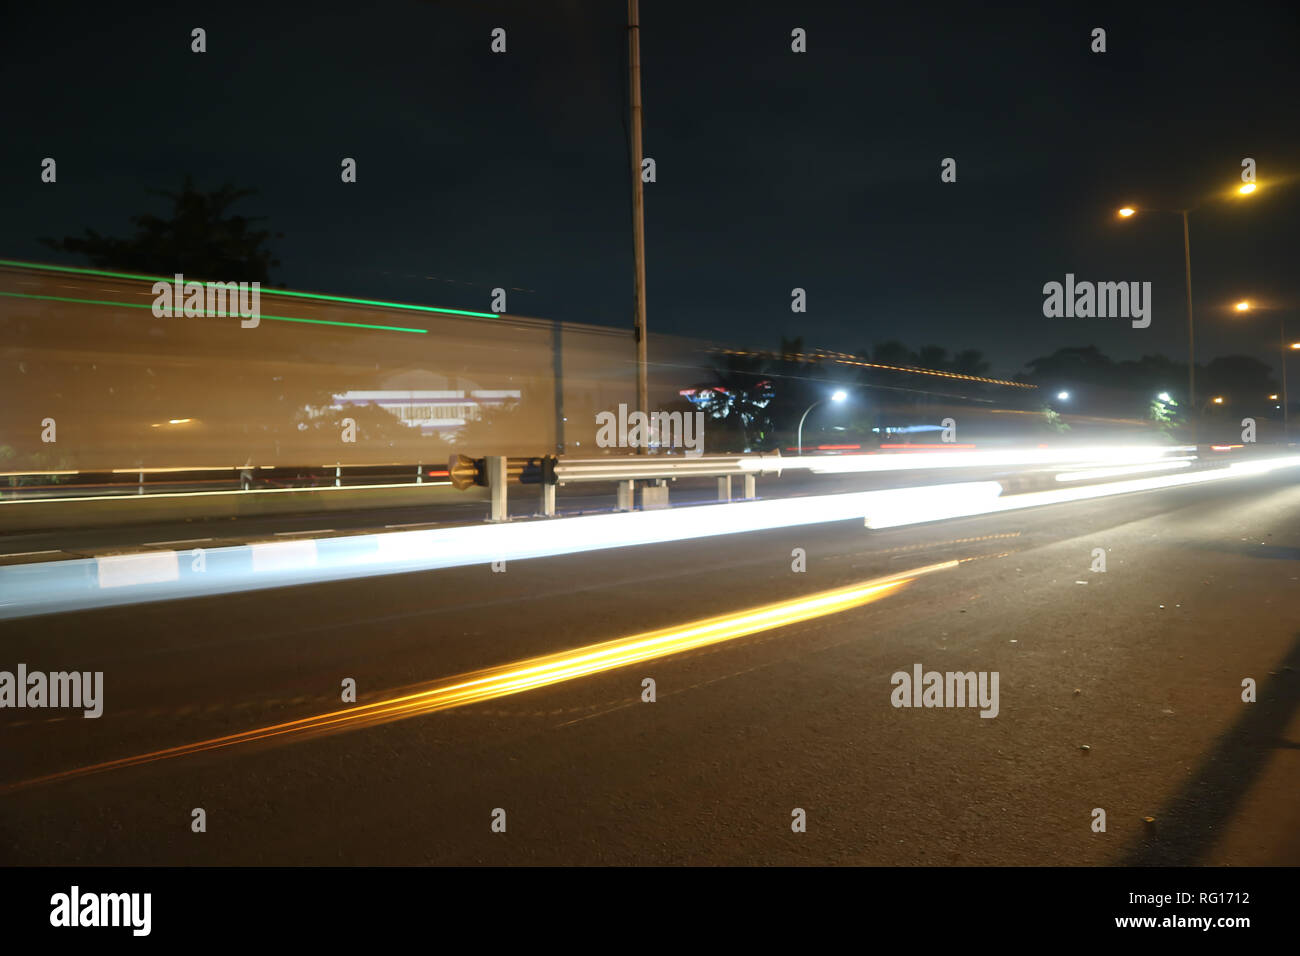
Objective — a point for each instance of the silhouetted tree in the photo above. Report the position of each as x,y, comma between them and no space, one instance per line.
969,362
791,349
893,352
933,357
1075,365
1240,379
200,239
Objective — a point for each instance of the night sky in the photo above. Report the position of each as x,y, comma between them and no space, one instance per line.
775,169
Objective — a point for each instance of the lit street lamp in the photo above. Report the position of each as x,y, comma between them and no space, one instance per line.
838,395
1128,212
1245,305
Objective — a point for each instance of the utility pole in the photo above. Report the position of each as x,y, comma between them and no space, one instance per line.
1286,428
1191,338
638,209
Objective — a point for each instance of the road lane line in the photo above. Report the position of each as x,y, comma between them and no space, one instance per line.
544,671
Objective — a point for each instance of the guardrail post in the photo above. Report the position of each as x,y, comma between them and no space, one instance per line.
548,499
419,474
654,495
626,495
496,479
724,488
751,487
141,491
338,480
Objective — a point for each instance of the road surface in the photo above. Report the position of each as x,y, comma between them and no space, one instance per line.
1119,690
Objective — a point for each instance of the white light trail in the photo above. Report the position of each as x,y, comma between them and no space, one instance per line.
938,507
57,586
906,461
1101,473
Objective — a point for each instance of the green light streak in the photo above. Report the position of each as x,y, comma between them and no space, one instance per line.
235,315
300,295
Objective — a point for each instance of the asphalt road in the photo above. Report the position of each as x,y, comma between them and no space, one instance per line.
1142,665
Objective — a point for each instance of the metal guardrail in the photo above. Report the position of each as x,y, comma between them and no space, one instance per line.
648,474
92,483
653,471
497,472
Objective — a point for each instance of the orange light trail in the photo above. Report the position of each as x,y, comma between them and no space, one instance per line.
532,673
844,358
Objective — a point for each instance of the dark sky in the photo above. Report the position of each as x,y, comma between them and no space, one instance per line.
775,170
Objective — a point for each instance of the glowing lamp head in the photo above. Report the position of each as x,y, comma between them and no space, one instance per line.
1218,399
1063,396
1247,188
839,395
1164,397
1242,306
1126,212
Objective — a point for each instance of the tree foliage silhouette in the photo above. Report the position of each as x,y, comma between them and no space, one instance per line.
201,240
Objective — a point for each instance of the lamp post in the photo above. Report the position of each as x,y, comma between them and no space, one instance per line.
1127,212
838,395
1245,305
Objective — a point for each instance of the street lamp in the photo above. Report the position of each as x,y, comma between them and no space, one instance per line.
1063,396
1128,212
1245,305
838,395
